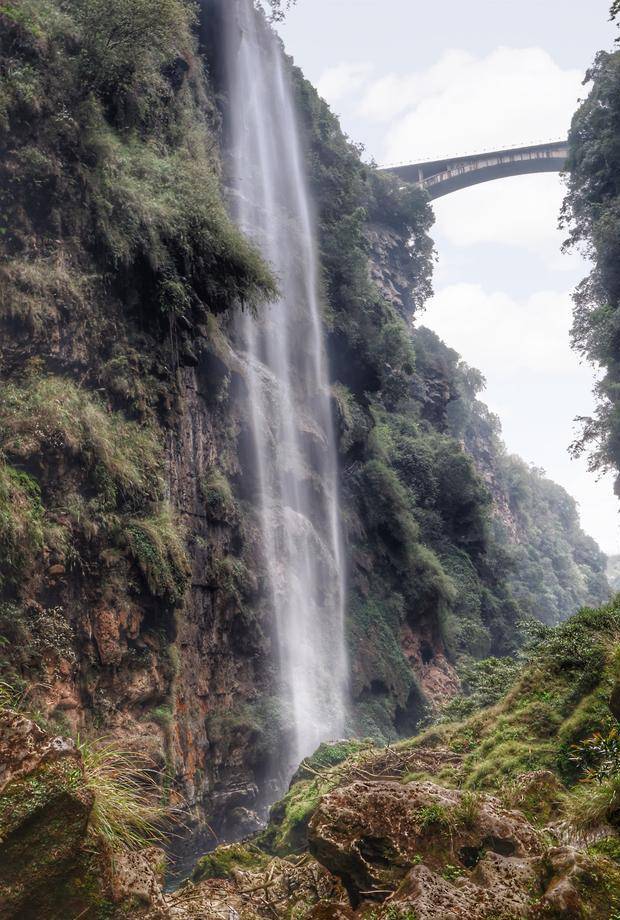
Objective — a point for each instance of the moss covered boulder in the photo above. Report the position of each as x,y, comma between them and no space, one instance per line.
45,805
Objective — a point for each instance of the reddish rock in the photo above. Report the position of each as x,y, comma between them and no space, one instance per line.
107,635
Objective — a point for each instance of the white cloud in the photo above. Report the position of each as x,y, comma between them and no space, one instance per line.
521,211
462,103
502,335
343,80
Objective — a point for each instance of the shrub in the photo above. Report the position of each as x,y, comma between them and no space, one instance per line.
166,206
594,804
125,39
599,755
22,530
158,548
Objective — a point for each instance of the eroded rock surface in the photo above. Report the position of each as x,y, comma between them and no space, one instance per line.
44,811
372,834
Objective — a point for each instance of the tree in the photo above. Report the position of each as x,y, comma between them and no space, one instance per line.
279,8
122,37
591,212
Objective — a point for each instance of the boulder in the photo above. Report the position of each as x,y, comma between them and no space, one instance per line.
44,810
500,886
372,834
277,890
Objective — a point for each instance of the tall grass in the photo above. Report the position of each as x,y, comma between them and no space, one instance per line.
126,813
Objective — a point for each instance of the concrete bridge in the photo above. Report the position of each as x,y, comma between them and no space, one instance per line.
440,177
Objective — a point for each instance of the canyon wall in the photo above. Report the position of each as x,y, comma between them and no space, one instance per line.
134,599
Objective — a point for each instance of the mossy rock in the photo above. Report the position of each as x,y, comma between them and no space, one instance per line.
329,754
43,820
48,865
222,862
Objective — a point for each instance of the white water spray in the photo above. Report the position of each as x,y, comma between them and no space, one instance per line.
288,386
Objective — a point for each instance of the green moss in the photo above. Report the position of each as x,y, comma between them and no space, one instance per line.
225,859
118,464
50,413
329,754
286,832
218,497
607,846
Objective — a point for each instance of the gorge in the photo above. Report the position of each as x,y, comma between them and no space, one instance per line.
249,504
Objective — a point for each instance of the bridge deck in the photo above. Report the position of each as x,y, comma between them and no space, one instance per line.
440,177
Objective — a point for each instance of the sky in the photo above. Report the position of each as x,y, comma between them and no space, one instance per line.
413,81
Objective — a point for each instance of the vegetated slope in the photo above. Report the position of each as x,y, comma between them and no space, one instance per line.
511,813
133,598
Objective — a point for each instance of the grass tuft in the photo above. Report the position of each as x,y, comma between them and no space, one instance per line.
125,813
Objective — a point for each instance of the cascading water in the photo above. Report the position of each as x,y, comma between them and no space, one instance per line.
289,402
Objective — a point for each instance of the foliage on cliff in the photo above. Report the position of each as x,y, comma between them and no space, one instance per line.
592,215
117,258
452,542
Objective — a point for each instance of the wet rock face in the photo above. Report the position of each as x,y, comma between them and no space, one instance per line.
373,834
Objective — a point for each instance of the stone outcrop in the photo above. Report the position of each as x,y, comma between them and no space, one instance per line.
372,834
299,888
394,851
44,811
51,865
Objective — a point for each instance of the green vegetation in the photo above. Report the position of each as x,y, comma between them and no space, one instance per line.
125,812
21,523
452,541
47,424
158,548
133,165
548,747
215,488
591,214
556,716
222,861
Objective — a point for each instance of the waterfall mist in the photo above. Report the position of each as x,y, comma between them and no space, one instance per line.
289,400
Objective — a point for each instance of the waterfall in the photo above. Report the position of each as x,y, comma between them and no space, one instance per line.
289,400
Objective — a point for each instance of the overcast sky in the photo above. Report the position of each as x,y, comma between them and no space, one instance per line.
415,80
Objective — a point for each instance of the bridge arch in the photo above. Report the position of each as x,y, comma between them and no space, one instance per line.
441,177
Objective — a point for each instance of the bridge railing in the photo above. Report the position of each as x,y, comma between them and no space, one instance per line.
487,162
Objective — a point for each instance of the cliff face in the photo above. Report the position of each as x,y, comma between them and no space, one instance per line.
133,599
